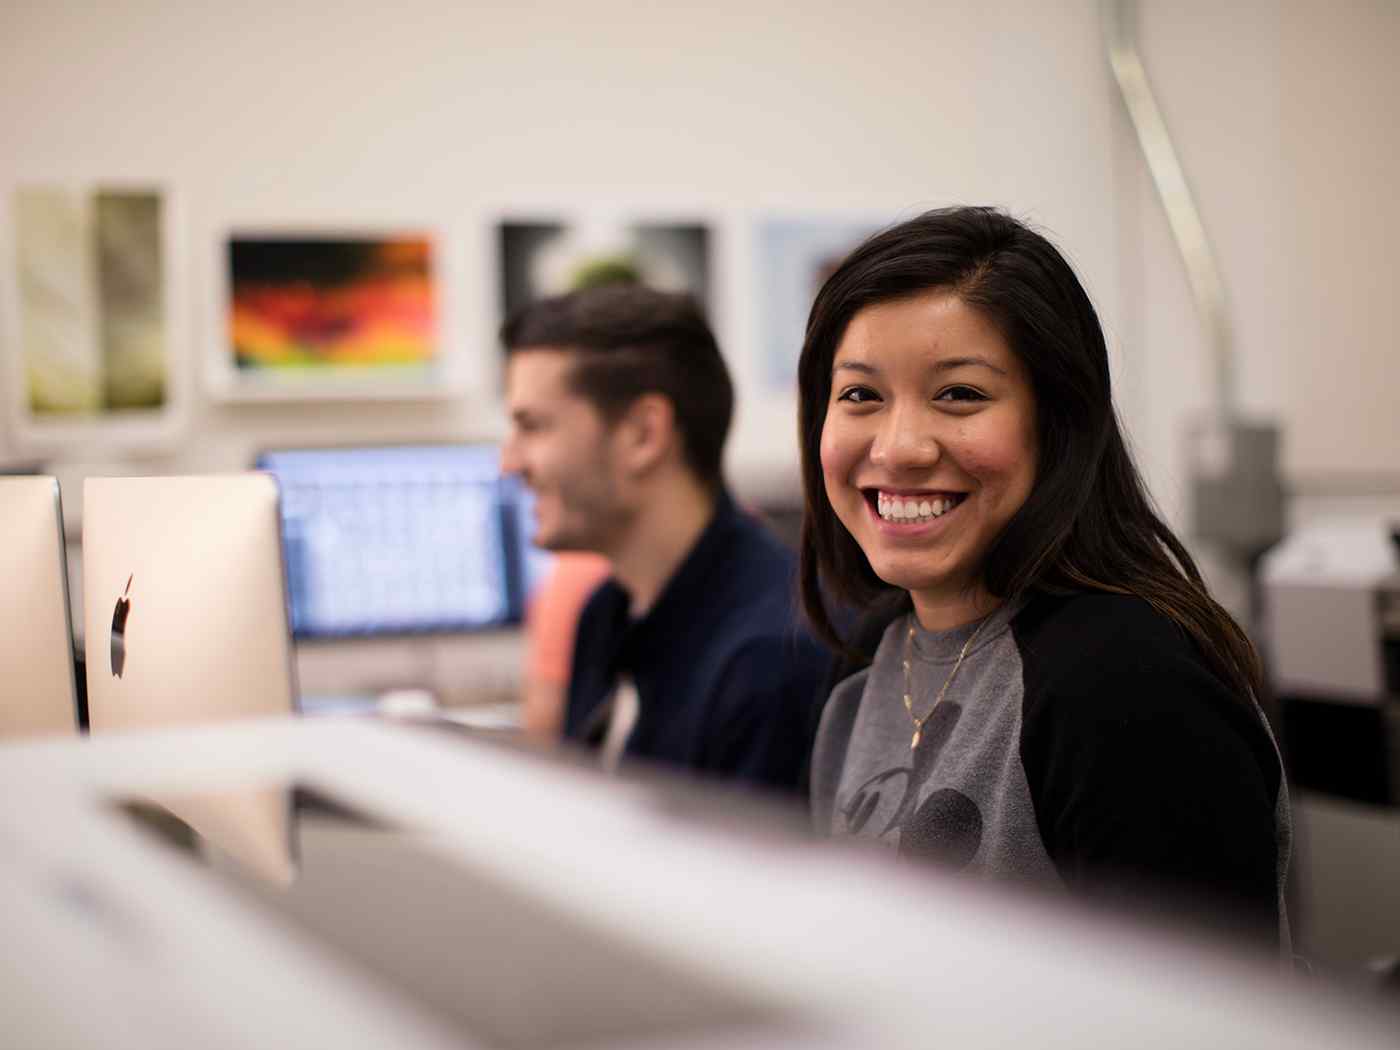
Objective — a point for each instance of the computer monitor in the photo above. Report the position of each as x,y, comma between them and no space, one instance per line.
185,606
36,633
401,539
531,562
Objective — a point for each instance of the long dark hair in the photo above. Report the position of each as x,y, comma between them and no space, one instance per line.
1088,524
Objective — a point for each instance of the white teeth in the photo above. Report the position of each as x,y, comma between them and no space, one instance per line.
895,508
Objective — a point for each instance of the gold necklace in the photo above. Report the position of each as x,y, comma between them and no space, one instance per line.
909,678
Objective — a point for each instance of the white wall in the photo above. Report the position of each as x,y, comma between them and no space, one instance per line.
1341,139
1215,72
440,112
1283,112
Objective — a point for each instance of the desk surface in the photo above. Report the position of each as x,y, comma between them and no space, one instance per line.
864,952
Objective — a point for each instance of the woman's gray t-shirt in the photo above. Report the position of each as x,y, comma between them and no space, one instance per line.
1083,743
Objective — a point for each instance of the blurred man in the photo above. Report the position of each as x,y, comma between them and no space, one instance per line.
690,653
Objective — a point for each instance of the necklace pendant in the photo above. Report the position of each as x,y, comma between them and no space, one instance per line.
918,735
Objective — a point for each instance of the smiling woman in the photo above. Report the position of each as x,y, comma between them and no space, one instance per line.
1047,660
928,447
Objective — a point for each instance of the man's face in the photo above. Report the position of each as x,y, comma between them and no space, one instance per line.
561,447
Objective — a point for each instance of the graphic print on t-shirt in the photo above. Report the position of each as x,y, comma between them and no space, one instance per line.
946,827
961,799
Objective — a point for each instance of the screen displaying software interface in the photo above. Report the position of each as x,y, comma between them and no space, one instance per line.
36,636
402,539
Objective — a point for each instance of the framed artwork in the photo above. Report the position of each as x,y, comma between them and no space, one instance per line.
92,312
330,314
793,259
539,257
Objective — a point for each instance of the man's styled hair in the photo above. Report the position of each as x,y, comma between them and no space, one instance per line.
629,340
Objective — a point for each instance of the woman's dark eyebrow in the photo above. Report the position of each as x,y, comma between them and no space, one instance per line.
950,363
945,365
855,366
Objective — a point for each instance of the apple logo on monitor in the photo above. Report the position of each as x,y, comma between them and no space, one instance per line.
119,615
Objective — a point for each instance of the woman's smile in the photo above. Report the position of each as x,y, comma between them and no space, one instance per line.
908,511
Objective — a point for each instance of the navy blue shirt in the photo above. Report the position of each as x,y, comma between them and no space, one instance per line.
727,679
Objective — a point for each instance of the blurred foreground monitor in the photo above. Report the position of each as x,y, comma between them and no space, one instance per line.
484,961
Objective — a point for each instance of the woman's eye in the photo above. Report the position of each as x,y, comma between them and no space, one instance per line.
960,393
857,395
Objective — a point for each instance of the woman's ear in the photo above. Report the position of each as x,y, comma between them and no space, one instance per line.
647,432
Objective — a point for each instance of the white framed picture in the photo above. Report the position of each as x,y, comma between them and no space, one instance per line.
95,314
793,257
333,311
543,252
526,247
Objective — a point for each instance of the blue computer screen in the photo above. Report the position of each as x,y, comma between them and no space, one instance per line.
532,562
401,539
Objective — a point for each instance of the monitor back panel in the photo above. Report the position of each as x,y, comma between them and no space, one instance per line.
184,601
36,637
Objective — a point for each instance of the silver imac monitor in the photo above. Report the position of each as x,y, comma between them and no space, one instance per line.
36,633
185,607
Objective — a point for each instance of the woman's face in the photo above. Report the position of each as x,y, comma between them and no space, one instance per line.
928,447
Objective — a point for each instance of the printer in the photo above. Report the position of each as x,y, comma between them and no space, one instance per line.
1331,645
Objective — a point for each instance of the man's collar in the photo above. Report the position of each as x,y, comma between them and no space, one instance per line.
675,605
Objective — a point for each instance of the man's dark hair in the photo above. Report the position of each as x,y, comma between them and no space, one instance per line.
631,340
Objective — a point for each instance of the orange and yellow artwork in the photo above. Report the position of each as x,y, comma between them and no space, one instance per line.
332,305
